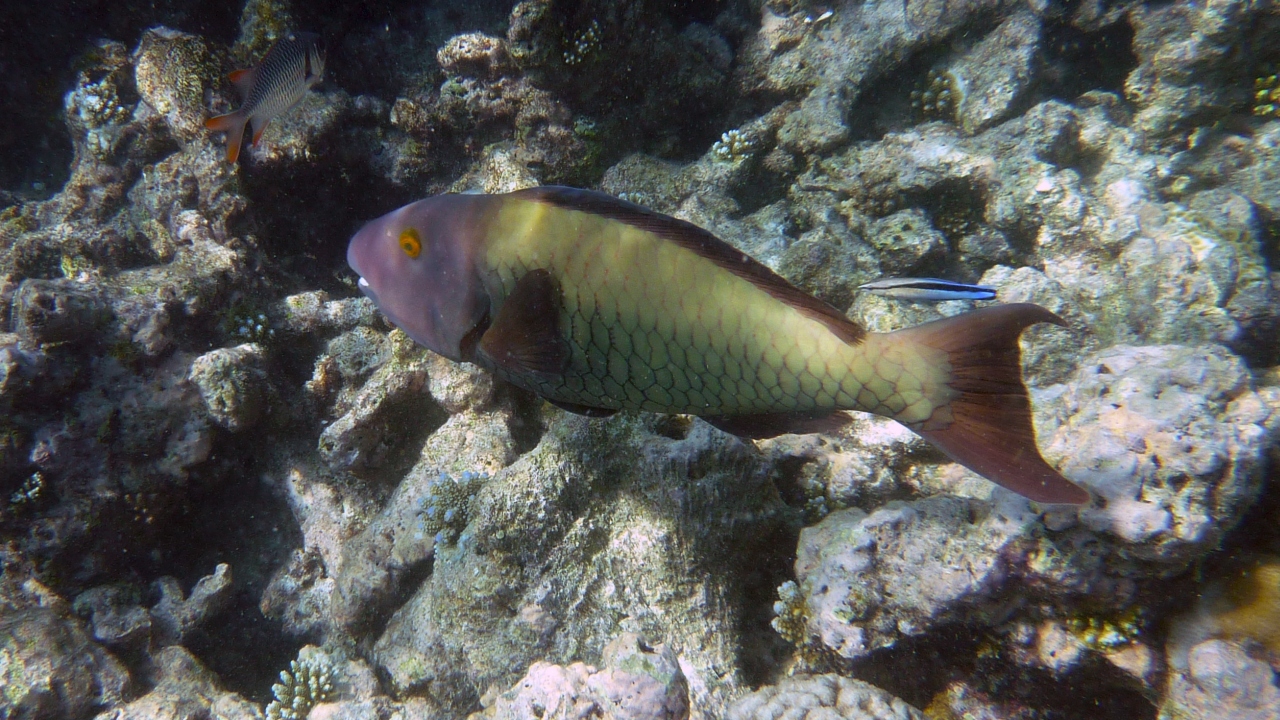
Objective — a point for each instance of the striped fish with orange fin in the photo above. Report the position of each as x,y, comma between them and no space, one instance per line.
600,305
293,65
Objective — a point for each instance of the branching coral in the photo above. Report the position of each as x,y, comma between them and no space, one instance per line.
307,683
584,44
733,146
791,619
446,506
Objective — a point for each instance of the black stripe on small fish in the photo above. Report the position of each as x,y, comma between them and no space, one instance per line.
928,289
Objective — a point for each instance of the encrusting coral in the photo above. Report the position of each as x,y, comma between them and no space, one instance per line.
1266,95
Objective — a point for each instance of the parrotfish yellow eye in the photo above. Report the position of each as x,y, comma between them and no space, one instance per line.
410,242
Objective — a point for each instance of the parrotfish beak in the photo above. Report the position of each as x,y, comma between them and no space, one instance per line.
359,246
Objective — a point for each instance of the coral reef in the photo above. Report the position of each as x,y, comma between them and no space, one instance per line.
190,380
1221,680
937,97
637,681
819,696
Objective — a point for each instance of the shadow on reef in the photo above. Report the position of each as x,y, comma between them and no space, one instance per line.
1077,61
243,522
309,211
925,671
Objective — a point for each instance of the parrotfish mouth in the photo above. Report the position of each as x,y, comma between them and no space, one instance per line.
367,290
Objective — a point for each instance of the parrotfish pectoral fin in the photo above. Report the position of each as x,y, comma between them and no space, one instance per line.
524,339
987,426
585,410
767,425
233,125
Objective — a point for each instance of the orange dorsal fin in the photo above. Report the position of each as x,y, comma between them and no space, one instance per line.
702,242
242,80
987,425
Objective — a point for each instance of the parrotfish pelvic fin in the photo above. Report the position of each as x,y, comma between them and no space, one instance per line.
584,410
524,338
987,425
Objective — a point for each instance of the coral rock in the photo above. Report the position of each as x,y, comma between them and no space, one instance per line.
233,384
1222,681
819,697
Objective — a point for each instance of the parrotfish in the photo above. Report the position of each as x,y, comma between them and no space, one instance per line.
293,65
928,289
600,305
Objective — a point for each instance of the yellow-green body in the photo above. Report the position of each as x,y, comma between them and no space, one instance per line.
652,325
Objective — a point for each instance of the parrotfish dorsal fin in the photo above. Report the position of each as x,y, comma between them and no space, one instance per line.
697,240
524,337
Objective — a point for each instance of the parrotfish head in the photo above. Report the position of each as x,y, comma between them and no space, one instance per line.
418,266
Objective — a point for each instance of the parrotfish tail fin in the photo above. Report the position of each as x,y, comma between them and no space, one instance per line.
987,425
233,125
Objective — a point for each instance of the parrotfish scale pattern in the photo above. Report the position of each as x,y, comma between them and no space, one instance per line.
653,326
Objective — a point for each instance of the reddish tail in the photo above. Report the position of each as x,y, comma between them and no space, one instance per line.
989,430
233,125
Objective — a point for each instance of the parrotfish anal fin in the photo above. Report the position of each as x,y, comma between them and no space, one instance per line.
242,80
697,240
524,338
587,410
989,429
767,425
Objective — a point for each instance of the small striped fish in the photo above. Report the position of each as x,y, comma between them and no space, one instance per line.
293,65
928,290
